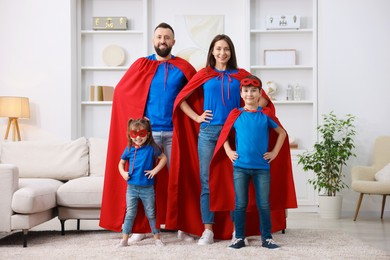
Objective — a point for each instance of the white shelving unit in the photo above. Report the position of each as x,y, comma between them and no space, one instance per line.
299,117
91,69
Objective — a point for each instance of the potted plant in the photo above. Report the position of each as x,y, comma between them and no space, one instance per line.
330,154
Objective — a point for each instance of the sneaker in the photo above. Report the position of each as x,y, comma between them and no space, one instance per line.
184,236
158,242
123,243
237,244
136,237
234,239
270,244
207,238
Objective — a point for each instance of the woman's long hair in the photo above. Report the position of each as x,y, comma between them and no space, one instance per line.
232,63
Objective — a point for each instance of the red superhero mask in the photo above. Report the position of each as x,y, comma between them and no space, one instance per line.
250,82
140,133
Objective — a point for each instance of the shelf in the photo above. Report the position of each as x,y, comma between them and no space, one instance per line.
303,71
292,67
110,32
292,102
298,117
104,68
281,31
92,118
99,103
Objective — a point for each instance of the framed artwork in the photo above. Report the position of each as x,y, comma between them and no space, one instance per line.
280,57
194,34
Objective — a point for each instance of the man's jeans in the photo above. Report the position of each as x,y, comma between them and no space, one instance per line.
146,194
207,141
164,140
261,181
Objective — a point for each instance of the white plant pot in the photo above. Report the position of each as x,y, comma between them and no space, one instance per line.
330,206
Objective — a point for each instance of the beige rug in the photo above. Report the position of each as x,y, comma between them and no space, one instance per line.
295,244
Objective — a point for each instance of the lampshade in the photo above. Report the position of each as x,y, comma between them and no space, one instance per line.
14,107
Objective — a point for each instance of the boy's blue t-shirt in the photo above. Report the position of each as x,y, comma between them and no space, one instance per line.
166,84
221,99
140,159
252,137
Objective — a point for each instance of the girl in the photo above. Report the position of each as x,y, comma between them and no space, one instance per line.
141,155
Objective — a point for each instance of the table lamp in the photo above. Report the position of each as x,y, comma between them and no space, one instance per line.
14,108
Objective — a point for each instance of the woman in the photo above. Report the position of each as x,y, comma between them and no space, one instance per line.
205,103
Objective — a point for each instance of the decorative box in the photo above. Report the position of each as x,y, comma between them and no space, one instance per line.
282,22
109,23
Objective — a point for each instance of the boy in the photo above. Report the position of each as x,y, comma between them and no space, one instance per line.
252,158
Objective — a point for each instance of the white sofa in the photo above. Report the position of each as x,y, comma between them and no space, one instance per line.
40,180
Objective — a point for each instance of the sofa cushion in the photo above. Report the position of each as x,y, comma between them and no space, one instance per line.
35,195
97,156
383,174
48,159
85,192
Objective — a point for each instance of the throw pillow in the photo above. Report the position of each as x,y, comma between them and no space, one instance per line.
97,156
383,174
56,159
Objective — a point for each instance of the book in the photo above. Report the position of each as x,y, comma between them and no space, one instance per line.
108,93
99,95
92,93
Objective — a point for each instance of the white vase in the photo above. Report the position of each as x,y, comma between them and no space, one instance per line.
330,206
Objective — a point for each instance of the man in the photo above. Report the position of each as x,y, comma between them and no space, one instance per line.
148,89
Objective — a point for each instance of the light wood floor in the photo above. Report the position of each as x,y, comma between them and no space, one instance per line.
368,227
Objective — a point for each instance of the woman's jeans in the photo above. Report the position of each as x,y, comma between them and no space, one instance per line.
261,181
164,140
207,140
133,194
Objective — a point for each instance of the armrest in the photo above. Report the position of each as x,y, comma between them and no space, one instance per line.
9,183
363,173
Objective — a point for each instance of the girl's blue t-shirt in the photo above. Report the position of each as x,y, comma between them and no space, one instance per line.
166,84
140,159
221,95
252,137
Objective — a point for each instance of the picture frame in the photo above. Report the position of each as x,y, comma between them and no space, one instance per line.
280,57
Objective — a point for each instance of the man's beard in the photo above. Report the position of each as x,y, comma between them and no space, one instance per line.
163,53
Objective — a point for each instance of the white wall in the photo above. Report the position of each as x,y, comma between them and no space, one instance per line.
35,62
353,63
354,66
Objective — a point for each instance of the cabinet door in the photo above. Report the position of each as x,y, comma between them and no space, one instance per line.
103,56
305,192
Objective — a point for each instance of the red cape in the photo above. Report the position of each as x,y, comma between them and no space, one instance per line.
183,212
282,192
129,102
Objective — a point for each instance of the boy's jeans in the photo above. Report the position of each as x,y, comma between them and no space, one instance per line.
146,194
261,181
